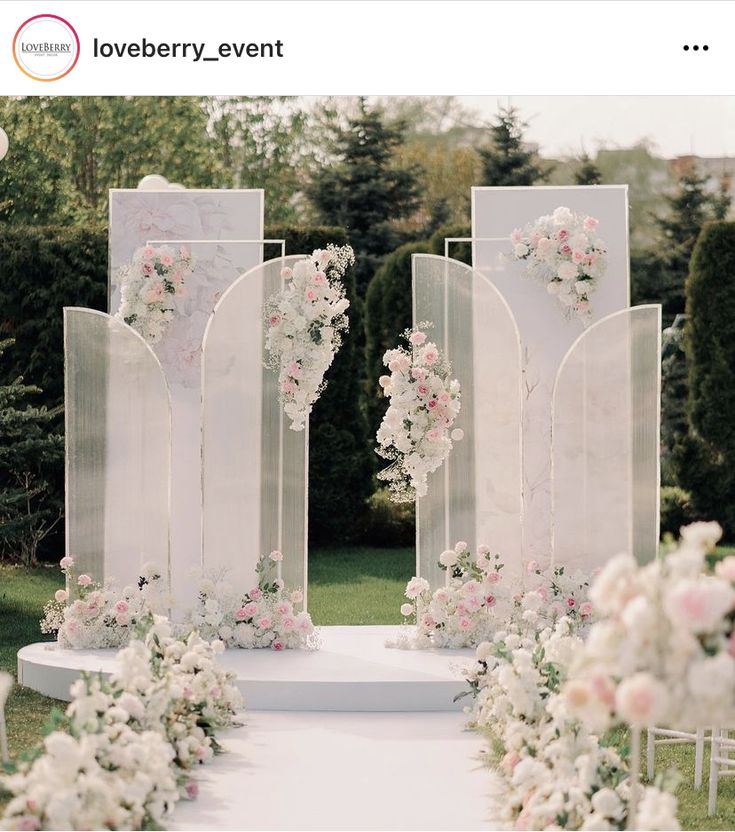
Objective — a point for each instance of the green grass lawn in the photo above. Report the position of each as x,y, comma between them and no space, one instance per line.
346,586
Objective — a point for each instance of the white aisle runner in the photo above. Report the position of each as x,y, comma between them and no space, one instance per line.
346,771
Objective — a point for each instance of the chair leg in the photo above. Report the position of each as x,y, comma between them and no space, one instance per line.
650,753
714,770
698,758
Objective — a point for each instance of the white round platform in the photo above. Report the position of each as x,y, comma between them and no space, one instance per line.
353,671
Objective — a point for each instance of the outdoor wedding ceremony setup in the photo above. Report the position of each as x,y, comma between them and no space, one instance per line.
522,415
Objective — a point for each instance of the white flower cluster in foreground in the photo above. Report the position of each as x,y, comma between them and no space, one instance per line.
564,251
305,322
88,614
663,652
122,754
416,431
552,772
148,287
462,613
265,616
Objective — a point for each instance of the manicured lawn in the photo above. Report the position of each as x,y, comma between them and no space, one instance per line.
346,586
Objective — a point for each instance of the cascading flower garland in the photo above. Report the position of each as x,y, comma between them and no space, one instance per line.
304,326
564,251
265,616
148,287
416,431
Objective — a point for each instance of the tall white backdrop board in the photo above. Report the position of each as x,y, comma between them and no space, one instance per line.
561,416
225,293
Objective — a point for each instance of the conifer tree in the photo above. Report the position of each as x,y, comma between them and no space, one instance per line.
507,160
587,173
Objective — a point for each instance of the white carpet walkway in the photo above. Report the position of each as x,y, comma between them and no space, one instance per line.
343,771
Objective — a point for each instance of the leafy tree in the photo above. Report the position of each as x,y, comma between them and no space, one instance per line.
674,393
364,191
507,160
29,450
706,457
689,208
587,173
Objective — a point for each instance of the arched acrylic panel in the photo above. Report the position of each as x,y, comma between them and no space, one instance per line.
476,495
254,467
605,441
118,434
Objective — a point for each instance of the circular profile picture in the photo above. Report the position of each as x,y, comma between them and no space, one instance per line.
46,47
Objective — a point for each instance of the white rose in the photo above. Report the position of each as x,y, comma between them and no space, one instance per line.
448,558
567,271
520,250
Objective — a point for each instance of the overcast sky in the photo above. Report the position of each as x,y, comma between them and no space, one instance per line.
678,125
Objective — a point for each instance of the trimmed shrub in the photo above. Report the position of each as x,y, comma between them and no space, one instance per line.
705,459
676,510
458,251
388,523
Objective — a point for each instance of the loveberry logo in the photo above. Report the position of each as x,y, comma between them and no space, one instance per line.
46,47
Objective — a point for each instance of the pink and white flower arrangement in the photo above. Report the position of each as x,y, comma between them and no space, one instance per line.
464,612
149,286
553,592
564,251
305,322
120,757
268,615
416,432
662,652
88,614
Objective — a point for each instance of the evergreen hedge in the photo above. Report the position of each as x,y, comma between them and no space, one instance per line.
706,456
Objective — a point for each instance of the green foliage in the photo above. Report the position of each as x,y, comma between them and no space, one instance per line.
30,452
388,523
364,191
587,173
674,394
689,208
388,312
458,251
507,160
706,456
676,510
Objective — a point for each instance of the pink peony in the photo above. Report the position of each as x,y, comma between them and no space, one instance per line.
84,580
429,355
417,338
418,374
66,562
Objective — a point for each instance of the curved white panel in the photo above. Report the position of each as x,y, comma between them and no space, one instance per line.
476,495
605,441
118,448
254,468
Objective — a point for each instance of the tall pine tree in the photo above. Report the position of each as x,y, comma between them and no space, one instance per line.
29,451
507,160
587,173
689,208
365,192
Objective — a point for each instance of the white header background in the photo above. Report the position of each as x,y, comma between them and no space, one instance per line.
376,47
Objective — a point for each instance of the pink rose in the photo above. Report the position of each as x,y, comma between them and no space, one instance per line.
294,369
255,594
418,374
432,404
433,435
422,390
565,249
147,268
121,606
284,608
571,603
430,355
123,619
563,234
465,623
427,621
167,260
297,596
604,690
582,306
278,644
490,600
590,223
288,387
148,252
192,789
274,319
84,580
578,256
417,338
641,699
66,562
319,279
264,623
311,294
286,273
276,555
586,609
250,609
241,614
493,577
288,623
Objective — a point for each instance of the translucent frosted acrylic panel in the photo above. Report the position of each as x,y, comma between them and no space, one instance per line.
476,495
254,467
117,448
605,442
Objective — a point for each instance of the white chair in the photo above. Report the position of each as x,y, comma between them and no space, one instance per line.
720,764
664,736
